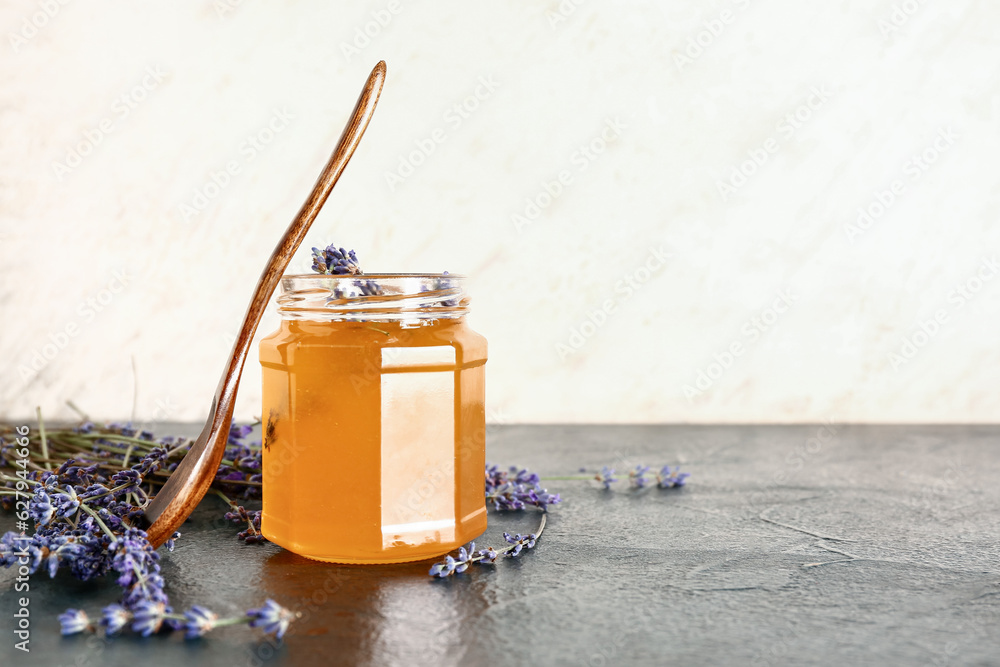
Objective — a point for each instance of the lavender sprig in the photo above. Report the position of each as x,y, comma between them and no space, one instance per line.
149,618
468,554
335,261
239,514
515,489
667,477
85,514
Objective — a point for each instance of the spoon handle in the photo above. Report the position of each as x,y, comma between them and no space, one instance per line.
297,230
190,481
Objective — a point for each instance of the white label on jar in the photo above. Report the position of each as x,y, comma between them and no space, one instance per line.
418,453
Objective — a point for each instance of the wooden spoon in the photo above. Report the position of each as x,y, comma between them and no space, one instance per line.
190,481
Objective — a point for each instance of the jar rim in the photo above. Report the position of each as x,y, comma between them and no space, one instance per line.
406,297
370,276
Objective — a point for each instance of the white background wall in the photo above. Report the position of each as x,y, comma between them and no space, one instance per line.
697,89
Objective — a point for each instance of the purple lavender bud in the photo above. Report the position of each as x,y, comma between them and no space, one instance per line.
272,618
73,621
487,556
464,558
606,476
40,507
516,541
114,617
335,261
671,477
129,480
520,542
148,617
238,433
122,428
66,504
197,621
444,568
637,476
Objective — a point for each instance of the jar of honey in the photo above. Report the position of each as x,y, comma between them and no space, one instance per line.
374,418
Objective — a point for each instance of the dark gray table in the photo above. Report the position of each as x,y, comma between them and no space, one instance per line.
792,545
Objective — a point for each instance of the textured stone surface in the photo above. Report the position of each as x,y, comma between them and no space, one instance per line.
888,555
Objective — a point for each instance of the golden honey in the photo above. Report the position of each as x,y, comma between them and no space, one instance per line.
374,419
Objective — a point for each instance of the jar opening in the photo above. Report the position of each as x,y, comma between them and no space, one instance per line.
369,297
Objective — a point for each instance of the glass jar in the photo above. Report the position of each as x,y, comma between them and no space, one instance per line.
374,418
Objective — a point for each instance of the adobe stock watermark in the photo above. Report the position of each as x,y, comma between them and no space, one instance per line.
225,7
36,21
364,34
712,30
785,129
563,12
946,479
625,288
453,118
87,311
899,16
581,159
220,179
123,105
916,166
22,584
929,328
794,461
750,332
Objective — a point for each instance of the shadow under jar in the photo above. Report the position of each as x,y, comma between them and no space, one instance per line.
374,418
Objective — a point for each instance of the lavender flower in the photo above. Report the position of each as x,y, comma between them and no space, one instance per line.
519,542
445,568
169,544
252,534
73,621
468,554
148,617
606,477
114,617
40,507
272,618
137,565
335,261
197,621
62,547
516,489
357,288
66,504
669,477
239,433
637,476
126,482
487,556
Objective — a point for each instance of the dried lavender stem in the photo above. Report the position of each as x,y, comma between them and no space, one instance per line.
41,432
100,523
